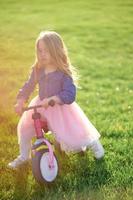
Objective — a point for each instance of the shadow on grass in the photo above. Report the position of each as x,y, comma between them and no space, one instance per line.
77,173
86,171
99,174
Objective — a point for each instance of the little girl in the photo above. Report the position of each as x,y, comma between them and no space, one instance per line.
55,75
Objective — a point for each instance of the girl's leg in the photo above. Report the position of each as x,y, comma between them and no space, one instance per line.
26,132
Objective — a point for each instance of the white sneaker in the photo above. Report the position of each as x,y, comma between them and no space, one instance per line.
17,162
97,149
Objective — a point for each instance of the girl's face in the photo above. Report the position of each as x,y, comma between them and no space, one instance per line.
43,54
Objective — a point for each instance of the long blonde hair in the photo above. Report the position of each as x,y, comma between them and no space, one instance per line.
58,52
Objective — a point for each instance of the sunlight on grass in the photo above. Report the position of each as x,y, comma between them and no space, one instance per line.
100,43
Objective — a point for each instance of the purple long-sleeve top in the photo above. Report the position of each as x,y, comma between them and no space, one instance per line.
55,83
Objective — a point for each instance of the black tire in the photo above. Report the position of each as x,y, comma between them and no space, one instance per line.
36,167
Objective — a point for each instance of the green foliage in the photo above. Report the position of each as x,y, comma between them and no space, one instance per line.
99,37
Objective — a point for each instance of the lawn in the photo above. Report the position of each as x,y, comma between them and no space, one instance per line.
99,37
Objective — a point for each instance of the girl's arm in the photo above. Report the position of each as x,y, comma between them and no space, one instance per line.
19,106
68,93
21,101
28,87
66,96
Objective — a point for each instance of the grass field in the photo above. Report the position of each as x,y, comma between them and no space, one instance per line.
99,36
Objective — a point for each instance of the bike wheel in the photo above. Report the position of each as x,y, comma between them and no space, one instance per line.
40,167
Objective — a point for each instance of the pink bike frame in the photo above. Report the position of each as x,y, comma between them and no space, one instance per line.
39,124
39,133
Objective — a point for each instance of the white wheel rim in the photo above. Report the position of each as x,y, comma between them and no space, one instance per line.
49,174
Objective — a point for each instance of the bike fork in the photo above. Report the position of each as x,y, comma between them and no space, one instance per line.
40,140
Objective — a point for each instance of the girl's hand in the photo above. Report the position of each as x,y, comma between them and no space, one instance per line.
45,102
55,98
19,106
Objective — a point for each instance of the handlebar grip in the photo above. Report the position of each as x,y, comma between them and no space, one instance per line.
51,103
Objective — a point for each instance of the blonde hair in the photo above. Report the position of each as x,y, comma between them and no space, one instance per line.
58,52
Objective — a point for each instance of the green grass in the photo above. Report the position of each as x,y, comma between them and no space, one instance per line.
99,36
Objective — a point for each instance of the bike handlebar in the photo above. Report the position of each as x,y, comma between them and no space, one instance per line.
50,103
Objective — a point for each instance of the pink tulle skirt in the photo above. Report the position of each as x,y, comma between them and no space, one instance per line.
69,124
